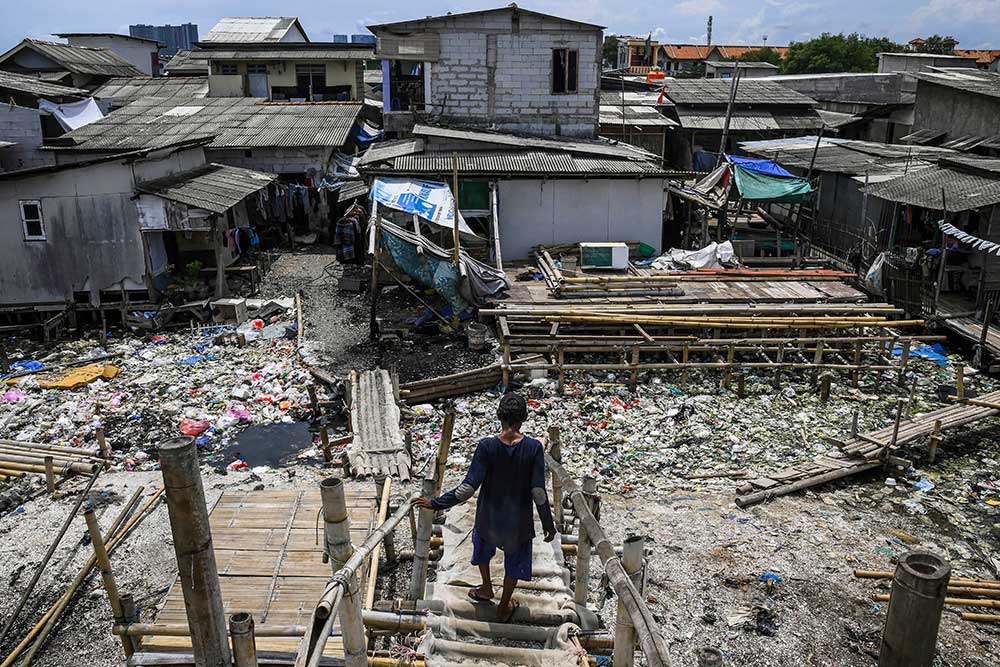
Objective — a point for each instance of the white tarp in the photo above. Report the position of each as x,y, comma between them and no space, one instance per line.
431,200
74,114
710,257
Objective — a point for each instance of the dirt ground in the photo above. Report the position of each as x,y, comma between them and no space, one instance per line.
706,557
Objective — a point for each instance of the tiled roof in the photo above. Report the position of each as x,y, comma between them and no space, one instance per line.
78,59
982,56
126,89
232,29
234,122
213,187
701,51
32,85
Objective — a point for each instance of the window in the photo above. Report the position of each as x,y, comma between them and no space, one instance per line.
564,70
228,69
31,220
310,80
257,69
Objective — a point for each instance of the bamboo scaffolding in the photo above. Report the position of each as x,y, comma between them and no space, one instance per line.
954,602
954,581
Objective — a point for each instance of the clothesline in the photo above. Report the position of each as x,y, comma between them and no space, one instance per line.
974,241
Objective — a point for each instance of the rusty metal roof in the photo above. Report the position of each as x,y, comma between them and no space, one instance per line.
233,122
77,59
32,85
214,187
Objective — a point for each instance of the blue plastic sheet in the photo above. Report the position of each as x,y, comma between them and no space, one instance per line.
935,352
768,167
427,270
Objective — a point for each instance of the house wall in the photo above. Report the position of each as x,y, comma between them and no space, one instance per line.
91,226
489,75
22,126
920,62
282,74
571,210
138,53
954,111
293,161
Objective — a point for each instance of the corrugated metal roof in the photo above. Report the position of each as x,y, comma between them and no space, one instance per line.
126,89
252,29
749,119
406,25
235,122
352,189
846,156
962,190
32,85
695,92
517,162
214,187
78,59
386,150
291,52
636,97
962,78
638,116
187,62
602,147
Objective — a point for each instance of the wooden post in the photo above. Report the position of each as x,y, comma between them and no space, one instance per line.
634,374
624,651
824,387
854,424
934,441
192,537
555,451
313,402
444,446
911,624
456,257
960,382
374,223
244,643
324,438
383,485
685,353
337,534
50,475
944,255
107,576
422,541
981,357
741,391
895,429
584,545
103,443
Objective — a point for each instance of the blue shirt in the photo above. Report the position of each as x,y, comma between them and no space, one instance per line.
505,475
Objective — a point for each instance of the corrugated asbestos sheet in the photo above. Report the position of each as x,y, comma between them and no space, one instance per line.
962,78
304,52
250,29
846,156
234,122
32,85
716,91
693,118
639,116
517,162
129,88
378,447
600,147
214,187
82,59
188,63
962,190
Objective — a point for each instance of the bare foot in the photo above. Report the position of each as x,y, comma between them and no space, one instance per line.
505,612
481,594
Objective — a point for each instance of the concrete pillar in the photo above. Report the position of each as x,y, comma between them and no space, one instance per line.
337,532
193,547
244,642
911,624
625,637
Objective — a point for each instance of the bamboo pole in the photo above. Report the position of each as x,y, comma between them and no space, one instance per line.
650,640
624,653
444,446
583,546
64,468
48,555
384,485
555,451
918,596
192,538
983,618
954,581
80,452
425,519
337,534
243,638
107,575
115,535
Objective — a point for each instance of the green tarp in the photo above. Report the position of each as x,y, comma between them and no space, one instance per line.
756,186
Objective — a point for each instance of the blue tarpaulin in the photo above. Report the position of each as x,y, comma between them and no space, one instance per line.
757,186
766,167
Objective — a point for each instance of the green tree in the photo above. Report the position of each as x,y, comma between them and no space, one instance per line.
837,53
763,55
938,44
610,54
693,71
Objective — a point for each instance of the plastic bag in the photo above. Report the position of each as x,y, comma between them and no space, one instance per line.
194,426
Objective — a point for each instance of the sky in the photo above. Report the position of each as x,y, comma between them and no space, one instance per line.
975,23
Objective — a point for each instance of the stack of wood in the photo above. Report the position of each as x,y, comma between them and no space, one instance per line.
579,286
962,592
377,448
457,384
18,458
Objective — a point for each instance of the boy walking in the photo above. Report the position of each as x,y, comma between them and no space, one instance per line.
509,471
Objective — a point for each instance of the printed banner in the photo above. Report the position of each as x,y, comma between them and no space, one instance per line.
431,200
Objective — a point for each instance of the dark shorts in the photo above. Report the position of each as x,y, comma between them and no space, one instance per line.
516,562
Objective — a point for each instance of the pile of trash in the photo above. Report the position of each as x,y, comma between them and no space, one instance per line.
209,383
663,438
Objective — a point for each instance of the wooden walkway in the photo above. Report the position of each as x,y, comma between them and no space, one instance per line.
270,558
860,453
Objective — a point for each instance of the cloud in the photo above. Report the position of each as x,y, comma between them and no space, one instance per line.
697,7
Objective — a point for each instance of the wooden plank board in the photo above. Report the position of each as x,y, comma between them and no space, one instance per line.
270,563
